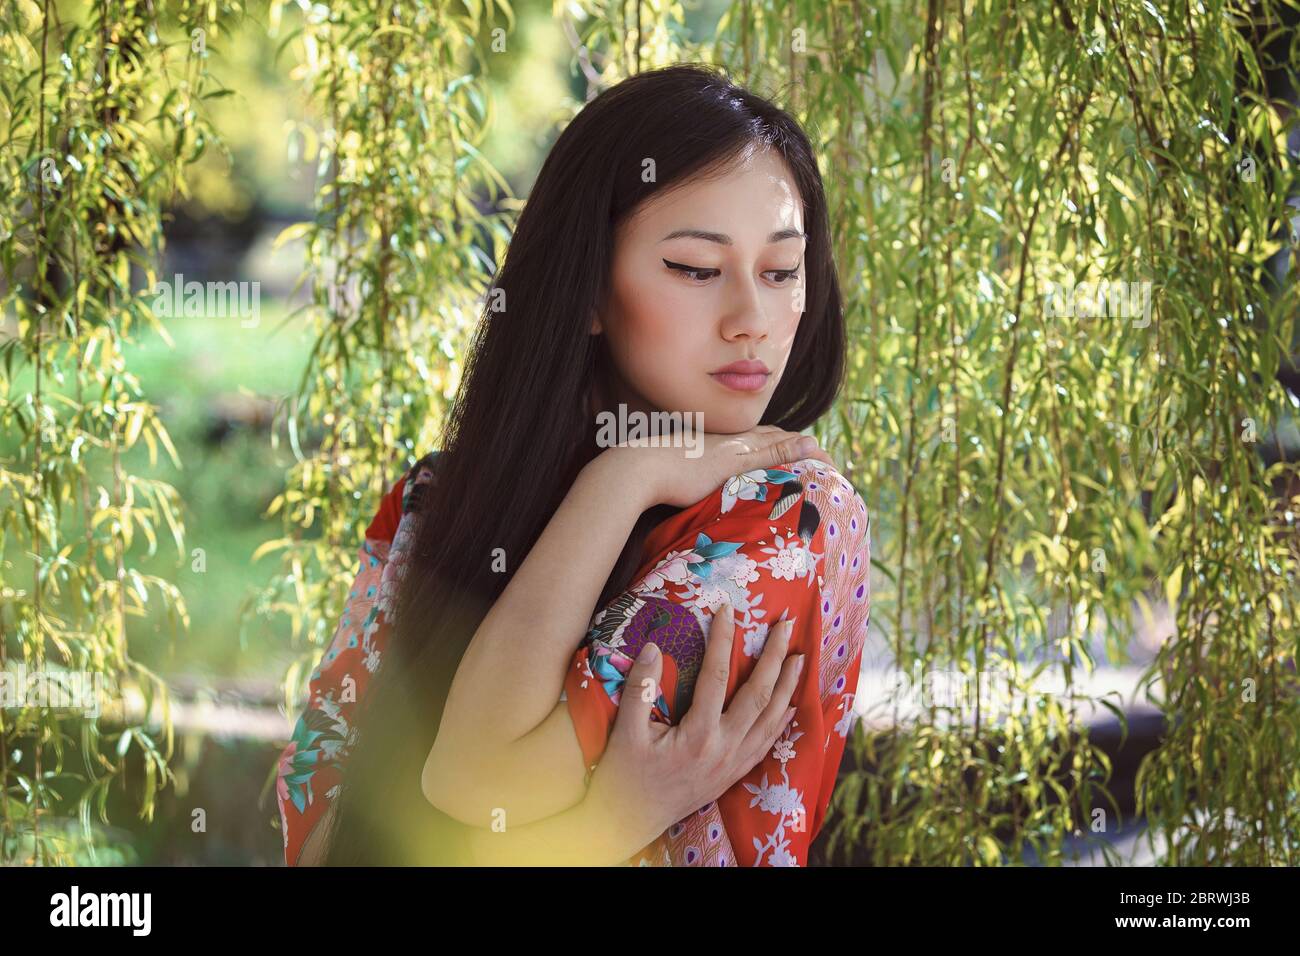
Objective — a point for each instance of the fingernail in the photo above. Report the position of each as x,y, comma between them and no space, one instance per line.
728,612
650,652
798,665
807,445
789,713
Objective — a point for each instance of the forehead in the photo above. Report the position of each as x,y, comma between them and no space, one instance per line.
750,199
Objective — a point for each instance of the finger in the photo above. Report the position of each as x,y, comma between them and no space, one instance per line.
711,684
809,447
822,455
752,443
772,722
754,694
789,448
640,692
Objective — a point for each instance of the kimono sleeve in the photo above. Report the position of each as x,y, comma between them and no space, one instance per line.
782,542
776,810
846,611
310,766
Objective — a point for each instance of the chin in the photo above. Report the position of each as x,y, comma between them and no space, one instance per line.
733,420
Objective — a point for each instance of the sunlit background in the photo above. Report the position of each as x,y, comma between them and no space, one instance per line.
933,276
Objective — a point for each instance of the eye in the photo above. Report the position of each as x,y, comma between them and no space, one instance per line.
694,274
784,274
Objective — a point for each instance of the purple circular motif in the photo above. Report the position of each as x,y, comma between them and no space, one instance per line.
839,684
862,589
677,632
832,530
826,607
691,855
675,830
722,861
812,484
843,560
856,561
853,524
836,498
840,651
835,624
715,832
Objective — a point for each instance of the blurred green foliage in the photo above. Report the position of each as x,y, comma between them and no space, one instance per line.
1035,476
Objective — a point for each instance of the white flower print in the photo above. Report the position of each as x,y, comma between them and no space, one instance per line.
330,749
673,569
776,797
790,560
781,855
845,723
789,735
779,798
783,750
737,569
328,707
712,596
743,487
756,640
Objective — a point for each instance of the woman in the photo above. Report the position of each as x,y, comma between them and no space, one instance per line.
674,256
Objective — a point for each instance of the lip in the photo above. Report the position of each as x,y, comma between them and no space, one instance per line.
740,382
747,375
744,367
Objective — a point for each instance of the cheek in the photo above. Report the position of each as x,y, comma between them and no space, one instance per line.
660,329
785,323
660,345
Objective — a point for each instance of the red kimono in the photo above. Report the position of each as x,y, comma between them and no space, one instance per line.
785,542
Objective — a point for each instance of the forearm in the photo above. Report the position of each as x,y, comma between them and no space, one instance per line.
526,640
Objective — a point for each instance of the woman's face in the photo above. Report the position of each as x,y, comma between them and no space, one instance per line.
706,275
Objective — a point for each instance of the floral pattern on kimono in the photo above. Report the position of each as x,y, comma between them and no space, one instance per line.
311,766
785,542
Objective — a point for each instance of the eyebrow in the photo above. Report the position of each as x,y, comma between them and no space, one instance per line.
778,236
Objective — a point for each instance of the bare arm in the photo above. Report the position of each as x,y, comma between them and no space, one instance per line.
586,834
526,755
538,775
521,753
550,599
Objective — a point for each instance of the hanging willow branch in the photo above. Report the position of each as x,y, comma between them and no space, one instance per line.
1040,472
99,116
1018,456
398,257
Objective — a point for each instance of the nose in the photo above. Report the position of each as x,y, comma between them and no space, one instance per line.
747,314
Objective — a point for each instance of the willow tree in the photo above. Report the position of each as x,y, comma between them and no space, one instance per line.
1052,223
100,112
398,258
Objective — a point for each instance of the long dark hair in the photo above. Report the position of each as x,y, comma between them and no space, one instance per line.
520,428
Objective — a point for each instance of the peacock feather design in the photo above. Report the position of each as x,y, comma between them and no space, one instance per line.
630,623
